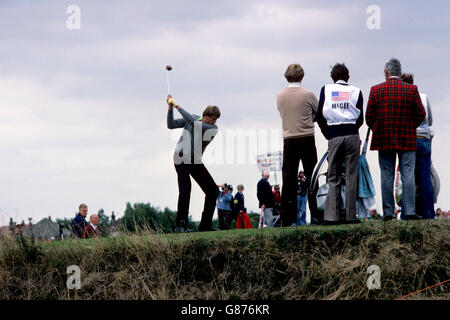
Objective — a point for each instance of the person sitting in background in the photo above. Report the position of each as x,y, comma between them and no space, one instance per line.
224,199
79,223
92,230
240,210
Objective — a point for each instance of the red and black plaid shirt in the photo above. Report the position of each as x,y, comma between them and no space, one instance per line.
394,111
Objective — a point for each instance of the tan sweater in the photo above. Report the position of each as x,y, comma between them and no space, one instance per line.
297,107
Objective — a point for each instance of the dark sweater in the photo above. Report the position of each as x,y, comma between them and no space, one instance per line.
78,225
264,194
239,203
195,134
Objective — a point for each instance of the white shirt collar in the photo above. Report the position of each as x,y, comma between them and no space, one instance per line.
93,227
341,82
294,85
394,77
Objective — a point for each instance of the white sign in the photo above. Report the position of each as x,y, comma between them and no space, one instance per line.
272,161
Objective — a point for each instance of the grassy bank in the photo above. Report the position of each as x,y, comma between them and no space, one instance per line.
279,263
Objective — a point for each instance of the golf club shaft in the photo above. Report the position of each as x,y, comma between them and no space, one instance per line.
168,86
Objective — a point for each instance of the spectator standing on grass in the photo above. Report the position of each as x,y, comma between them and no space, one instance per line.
224,207
276,193
302,198
297,107
425,194
266,198
277,198
233,216
92,230
394,111
340,115
240,209
79,223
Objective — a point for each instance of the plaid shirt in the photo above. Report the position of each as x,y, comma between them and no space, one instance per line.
394,111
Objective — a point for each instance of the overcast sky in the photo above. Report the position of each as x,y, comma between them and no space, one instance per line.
83,113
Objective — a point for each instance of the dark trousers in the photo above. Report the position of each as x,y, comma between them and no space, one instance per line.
424,188
225,217
206,183
294,150
425,196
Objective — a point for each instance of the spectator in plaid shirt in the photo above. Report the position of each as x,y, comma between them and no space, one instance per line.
394,111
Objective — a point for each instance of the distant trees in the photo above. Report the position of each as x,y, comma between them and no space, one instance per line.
143,216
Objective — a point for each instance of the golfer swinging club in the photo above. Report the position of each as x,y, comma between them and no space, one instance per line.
198,132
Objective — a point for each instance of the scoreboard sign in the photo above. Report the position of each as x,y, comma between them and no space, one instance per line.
272,161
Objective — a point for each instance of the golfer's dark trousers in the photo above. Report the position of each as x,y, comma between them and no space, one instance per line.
206,183
294,150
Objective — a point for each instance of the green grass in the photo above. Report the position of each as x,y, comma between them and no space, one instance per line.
311,262
376,225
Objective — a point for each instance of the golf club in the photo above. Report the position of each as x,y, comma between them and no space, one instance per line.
168,68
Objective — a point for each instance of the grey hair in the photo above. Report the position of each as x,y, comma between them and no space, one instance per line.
393,67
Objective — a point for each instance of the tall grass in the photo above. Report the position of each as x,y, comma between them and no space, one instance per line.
278,263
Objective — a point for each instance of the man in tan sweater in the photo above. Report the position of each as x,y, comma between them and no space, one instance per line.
297,107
